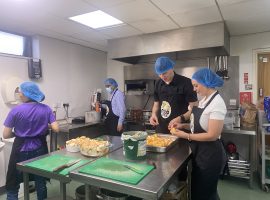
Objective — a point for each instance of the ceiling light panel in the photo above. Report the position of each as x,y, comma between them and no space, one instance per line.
96,19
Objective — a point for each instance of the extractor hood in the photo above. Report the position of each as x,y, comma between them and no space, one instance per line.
198,41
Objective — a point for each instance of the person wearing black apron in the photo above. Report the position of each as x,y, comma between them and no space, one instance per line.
208,161
14,177
29,121
115,108
172,97
208,154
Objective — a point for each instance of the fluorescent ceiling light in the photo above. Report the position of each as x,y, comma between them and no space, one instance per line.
96,19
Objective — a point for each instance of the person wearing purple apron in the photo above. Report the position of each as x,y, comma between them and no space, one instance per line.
116,109
172,96
206,123
28,123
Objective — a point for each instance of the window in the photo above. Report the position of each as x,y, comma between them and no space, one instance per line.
12,44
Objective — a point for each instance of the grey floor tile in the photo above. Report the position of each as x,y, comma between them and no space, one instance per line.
228,188
237,189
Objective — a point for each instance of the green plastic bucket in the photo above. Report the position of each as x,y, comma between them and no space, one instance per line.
134,144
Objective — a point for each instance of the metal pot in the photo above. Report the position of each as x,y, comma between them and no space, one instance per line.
111,195
146,115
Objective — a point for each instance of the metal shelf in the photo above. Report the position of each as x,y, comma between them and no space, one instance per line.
267,155
264,151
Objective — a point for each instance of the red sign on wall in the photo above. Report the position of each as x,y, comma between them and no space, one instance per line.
245,97
245,78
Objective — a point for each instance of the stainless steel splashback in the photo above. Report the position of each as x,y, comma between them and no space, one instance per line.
139,72
230,90
197,41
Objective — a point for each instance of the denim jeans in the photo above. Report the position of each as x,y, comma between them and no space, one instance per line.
40,182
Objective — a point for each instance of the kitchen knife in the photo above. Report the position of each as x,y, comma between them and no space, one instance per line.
66,165
133,169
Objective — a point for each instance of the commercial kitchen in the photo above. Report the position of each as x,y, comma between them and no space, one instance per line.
69,61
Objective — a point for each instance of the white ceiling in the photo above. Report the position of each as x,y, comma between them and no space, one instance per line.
50,17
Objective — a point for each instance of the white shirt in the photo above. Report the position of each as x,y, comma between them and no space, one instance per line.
215,110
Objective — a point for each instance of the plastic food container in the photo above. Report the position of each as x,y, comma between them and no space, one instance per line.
94,148
134,144
73,148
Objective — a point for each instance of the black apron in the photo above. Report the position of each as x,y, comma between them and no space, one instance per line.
111,120
208,161
169,106
14,177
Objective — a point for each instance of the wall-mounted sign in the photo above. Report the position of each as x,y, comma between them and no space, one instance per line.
245,97
248,86
245,78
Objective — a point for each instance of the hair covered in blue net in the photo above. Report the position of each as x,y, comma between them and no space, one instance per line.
208,78
163,64
111,81
32,91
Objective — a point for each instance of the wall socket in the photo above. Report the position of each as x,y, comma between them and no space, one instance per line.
232,102
65,105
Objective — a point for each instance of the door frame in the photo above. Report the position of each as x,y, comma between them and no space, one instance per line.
255,53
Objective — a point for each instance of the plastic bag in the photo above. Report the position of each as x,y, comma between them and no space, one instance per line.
266,104
248,114
134,135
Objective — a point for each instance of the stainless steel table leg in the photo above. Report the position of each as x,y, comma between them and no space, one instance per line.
55,141
63,190
51,140
189,179
87,192
26,185
252,150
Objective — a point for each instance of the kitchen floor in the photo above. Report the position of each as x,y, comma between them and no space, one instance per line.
229,189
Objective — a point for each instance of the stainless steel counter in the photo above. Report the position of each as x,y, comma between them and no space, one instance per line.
69,131
154,184
66,128
251,133
114,140
242,130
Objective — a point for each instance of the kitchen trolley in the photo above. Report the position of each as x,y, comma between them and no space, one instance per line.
264,152
264,163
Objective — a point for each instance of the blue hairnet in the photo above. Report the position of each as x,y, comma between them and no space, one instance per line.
32,91
163,64
207,78
111,81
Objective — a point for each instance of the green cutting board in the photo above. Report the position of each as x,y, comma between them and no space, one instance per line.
114,169
51,162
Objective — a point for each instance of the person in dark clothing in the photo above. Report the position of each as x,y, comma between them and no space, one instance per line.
206,124
173,96
30,121
116,108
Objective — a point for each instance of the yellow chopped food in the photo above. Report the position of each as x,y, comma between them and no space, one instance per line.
87,146
76,141
92,147
173,130
158,141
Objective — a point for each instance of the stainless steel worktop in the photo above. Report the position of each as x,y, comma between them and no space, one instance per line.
68,126
114,140
154,184
242,130
69,131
